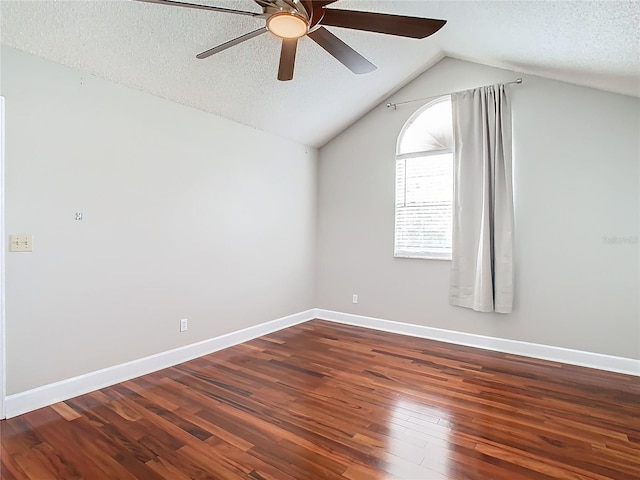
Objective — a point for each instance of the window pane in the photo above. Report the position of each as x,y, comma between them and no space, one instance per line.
428,130
424,191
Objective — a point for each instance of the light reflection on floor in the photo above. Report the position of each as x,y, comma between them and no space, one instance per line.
419,441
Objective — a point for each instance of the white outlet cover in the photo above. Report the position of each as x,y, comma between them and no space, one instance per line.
21,243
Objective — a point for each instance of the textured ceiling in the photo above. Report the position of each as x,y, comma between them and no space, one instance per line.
152,48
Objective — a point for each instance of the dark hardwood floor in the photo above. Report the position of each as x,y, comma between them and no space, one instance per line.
330,401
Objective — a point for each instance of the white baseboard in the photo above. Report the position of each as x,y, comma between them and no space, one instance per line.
610,363
24,402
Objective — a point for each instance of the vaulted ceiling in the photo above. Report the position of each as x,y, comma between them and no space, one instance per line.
152,48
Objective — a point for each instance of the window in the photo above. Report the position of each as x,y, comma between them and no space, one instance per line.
424,183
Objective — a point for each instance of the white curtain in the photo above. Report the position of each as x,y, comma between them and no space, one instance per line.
482,261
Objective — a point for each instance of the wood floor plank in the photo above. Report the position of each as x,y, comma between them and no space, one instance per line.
55,463
322,400
169,459
9,469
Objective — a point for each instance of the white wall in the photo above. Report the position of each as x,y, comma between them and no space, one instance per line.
186,215
2,268
577,159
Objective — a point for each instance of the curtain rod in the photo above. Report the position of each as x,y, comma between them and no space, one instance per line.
395,105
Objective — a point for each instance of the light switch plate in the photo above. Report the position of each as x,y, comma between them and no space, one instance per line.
21,243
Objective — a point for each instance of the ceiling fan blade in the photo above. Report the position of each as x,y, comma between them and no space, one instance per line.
287,58
202,7
231,43
400,25
341,51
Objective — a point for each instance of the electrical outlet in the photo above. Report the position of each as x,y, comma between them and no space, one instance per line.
184,325
355,298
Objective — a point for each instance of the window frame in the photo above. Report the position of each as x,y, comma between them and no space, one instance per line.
424,254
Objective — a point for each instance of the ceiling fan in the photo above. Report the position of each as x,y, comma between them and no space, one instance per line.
293,19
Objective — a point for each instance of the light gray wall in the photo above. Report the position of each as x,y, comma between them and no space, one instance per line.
577,158
190,215
186,216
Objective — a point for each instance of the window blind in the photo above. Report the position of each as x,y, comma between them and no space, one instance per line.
424,205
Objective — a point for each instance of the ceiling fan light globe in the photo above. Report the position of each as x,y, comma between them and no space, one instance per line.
287,25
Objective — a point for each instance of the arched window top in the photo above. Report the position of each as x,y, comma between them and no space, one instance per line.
428,130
